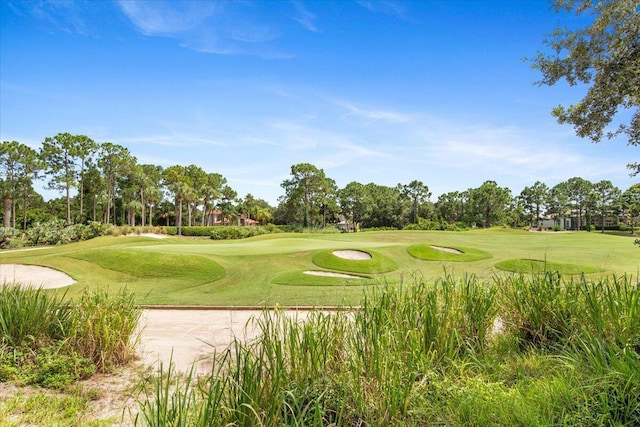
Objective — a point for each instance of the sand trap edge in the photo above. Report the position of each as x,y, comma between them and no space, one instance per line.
353,255
332,274
33,276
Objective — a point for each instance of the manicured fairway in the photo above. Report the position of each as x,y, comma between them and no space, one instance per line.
270,269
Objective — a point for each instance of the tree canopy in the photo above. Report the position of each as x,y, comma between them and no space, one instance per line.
605,56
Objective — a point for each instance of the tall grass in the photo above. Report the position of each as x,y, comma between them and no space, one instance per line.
31,317
103,328
51,341
425,353
540,309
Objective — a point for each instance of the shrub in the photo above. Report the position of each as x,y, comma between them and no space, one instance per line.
424,224
232,232
57,232
198,231
9,237
49,366
289,228
55,368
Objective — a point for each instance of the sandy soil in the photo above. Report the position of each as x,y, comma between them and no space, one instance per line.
189,338
34,276
353,255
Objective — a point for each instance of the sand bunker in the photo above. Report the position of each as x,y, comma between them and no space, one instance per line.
450,250
331,274
353,255
33,276
151,235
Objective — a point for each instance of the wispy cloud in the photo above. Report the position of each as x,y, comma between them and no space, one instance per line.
167,18
304,17
389,7
223,28
66,16
169,140
371,115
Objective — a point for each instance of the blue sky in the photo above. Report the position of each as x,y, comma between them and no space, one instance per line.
370,91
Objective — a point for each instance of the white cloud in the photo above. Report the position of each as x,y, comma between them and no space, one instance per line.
217,27
160,17
372,115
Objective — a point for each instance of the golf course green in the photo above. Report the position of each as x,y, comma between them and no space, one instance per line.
302,269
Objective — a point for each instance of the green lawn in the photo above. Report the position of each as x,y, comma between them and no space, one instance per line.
269,269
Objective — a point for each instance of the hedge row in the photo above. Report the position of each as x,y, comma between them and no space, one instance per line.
227,232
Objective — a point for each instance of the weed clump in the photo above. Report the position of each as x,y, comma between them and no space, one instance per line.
46,340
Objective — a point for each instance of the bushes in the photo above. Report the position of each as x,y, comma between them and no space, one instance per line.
57,232
235,232
8,237
424,224
53,232
223,232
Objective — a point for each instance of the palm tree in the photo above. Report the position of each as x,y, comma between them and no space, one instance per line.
176,181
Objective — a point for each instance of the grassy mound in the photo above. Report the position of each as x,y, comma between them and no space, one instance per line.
536,266
299,278
153,264
428,253
377,264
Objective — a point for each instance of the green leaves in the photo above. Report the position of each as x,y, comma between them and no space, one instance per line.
603,55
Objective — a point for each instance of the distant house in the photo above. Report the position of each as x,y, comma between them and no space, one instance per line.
570,220
244,221
214,218
345,225
563,223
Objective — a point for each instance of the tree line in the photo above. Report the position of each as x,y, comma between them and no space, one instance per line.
103,182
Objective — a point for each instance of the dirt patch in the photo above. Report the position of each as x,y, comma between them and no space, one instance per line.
33,276
449,250
331,274
352,255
